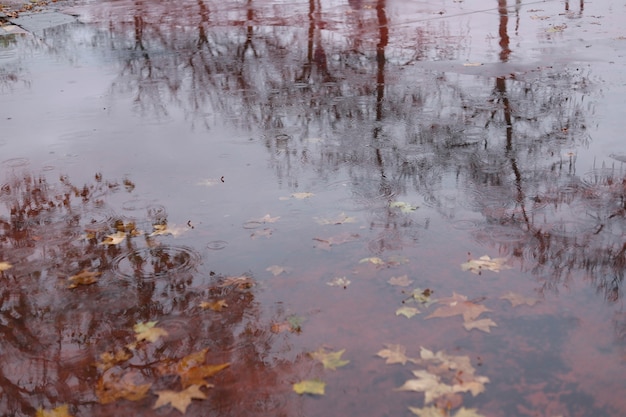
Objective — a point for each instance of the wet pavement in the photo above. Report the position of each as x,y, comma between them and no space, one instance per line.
270,181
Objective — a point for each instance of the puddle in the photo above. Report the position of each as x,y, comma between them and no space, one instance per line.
416,204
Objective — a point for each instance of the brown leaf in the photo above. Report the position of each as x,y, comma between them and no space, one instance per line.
196,375
148,331
339,239
83,278
394,354
518,299
482,324
179,400
458,306
114,239
214,305
110,359
113,386
428,383
242,282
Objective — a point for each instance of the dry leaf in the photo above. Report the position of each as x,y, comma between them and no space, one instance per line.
114,239
4,266
310,386
485,262
214,305
179,400
301,196
277,269
428,383
373,260
394,354
164,229
196,375
339,282
267,232
437,412
242,282
407,312
110,359
327,243
402,281
330,360
518,299
458,305
147,331
483,324
83,278
404,207
112,386
60,411
340,219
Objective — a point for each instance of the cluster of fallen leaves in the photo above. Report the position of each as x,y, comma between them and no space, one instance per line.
121,380
330,360
441,377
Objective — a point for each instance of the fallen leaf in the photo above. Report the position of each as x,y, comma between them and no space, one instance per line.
518,299
110,359
196,375
340,219
209,182
214,305
83,278
327,243
437,412
268,219
113,386
277,269
60,411
164,229
472,64
402,281
394,354
4,266
404,207
483,324
179,400
301,196
114,239
310,386
292,324
242,282
423,296
485,262
339,282
147,331
330,360
459,371
556,28
267,232
458,305
407,312
373,260
428,383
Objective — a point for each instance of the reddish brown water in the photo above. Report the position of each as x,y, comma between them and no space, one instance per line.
283,144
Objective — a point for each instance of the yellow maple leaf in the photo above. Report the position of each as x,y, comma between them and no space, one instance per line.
394,354
60,411
148,331
310,386
179,400
214,305
428,383
114,239
112,386
330,360
196,375
4,266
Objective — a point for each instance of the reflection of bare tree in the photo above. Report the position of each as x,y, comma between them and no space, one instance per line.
55,334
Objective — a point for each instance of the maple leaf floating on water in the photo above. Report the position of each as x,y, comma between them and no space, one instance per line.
179,400
114,239
402,281
191,369
164,230
298,196
394,354
407,312
457,305
485,262
5,266
437,412
404,207
214,305
148,331
339,282
60,411
310,386
112,386
242,282
330,360
518,299
329,242
340,219
483,324
83,278
277,269
267,233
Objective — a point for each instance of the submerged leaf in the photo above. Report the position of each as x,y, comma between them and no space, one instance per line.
310,386
83,278
112,386
214,305
394,354
60,411
407,312
476,266
179,400
277,269
196,375
483,324
114,239
340,219
428,383
404,207
458,305
147,331
339,282
518,299
330,360
402,281
373,260
164,229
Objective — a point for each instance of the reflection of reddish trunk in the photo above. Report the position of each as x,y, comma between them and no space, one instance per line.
502,30
383,31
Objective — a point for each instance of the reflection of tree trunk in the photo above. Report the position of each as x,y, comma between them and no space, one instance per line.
316,55
502,30
383,31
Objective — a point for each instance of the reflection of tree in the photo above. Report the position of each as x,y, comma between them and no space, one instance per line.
53,336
